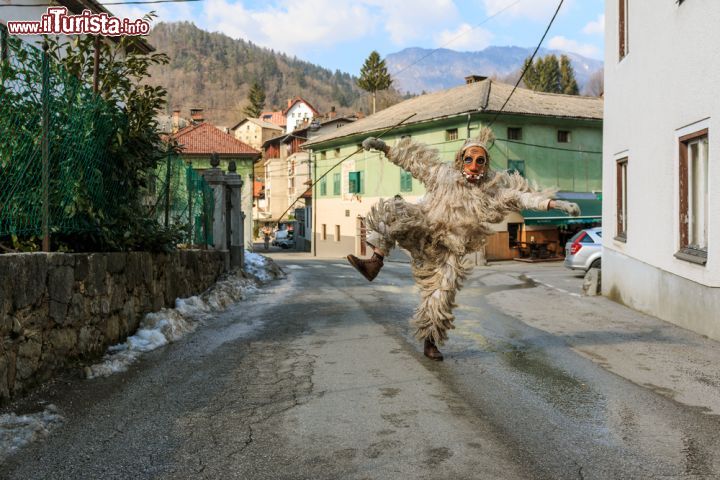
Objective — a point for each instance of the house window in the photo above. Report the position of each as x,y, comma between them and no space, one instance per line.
621,174
355,182
623,38
694,197
323,232
323,187
451,134
323,155
563,136
337,233
516,166
405,181
336,184
337,152
514,133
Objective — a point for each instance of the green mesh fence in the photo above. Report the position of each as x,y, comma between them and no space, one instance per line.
183,198
54,135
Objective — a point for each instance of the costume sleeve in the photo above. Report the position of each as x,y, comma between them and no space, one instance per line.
516,193
422,162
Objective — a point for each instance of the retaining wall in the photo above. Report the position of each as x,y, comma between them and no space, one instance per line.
57,307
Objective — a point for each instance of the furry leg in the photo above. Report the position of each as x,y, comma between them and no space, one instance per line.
394,220
439,280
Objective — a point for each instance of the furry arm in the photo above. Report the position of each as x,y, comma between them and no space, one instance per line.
416,158
516,194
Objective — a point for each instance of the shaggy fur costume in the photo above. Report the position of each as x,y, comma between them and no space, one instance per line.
450,222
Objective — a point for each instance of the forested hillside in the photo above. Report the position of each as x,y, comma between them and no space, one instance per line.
215,72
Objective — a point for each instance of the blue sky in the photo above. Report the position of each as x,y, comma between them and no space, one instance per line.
339,34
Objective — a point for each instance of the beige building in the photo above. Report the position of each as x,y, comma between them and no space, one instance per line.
255,132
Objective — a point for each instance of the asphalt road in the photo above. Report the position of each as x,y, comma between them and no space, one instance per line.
318,376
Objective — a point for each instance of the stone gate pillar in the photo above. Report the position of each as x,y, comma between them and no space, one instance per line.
216,179
234,184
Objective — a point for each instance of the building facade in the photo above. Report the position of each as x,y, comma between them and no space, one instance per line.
553,140
255,132
661,210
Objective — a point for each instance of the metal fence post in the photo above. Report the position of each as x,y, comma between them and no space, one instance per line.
167,190
190,183
45,149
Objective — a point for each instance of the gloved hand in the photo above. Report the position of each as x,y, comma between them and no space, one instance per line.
570,208
372,143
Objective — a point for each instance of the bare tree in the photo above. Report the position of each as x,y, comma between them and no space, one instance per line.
595,85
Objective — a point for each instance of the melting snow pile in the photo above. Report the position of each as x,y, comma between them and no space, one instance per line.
19,430
168,325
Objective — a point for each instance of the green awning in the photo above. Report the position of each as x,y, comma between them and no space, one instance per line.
590,212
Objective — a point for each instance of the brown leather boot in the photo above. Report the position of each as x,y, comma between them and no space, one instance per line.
369,268
431,351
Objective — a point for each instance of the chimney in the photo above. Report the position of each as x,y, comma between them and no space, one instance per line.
332,113
474,78
196,115
175,120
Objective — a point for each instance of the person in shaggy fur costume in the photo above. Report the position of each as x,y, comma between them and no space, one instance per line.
451,221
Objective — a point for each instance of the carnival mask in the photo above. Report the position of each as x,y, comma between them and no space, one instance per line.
474,164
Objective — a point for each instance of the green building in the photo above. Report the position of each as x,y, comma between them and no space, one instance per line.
553,140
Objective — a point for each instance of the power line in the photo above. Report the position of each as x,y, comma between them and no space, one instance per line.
528,63
341,161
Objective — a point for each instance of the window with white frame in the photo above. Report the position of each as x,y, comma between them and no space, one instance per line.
621,188
693,165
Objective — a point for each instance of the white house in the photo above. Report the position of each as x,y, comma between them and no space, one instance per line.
299,113
661,175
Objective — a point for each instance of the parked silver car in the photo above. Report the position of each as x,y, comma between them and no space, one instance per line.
584,250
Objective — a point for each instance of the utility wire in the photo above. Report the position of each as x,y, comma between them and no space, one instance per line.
528,63
341,161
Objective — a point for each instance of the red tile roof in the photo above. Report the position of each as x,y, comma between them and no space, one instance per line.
276,118
300,99
205,139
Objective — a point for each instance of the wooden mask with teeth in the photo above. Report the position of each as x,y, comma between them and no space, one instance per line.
473,159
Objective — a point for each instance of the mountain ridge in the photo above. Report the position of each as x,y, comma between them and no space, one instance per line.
416,69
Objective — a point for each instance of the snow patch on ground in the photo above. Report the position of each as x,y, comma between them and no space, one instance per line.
170,324
19,430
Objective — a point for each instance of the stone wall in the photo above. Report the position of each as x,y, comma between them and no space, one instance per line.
58,307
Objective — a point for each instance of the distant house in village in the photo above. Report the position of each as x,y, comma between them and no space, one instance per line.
661,206
200,140
298,114
553,140
288,173
255,132
276,118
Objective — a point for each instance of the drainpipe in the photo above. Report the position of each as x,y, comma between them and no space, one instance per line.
314,208
468,127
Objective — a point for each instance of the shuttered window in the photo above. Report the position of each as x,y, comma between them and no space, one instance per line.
405,181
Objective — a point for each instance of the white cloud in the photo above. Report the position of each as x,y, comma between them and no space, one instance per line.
165,13
290,26
533,9
464,38
569,45
596,27
412,20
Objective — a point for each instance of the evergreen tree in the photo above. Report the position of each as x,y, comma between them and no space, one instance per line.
256,97
374,76
548,74
568,84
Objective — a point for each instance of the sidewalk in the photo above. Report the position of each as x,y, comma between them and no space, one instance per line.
649,352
